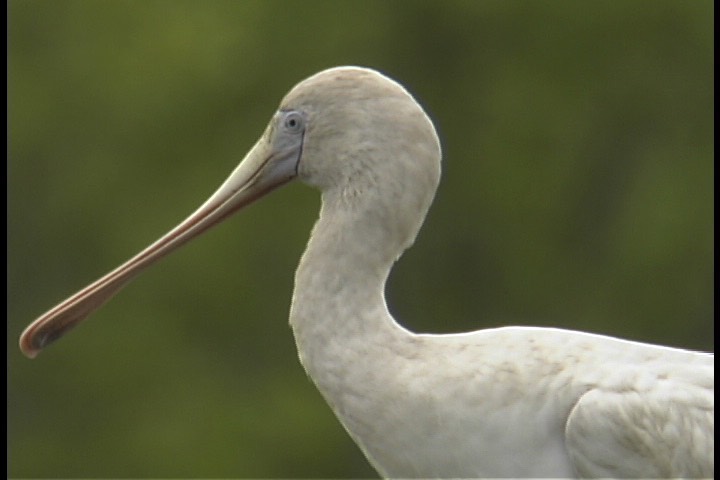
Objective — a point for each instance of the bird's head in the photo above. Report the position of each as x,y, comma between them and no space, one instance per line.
351,132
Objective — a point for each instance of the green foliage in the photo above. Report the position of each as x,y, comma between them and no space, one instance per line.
576,192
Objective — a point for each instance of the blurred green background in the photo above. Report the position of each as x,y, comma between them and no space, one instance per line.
577,193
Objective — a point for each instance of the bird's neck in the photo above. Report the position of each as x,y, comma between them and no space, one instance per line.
338,312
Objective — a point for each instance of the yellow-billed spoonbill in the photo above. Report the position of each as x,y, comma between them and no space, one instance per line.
503,402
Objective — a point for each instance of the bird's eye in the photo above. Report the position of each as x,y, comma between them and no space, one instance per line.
294,122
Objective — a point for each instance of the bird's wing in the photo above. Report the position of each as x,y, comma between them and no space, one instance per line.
666,431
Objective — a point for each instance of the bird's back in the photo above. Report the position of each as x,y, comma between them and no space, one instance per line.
534,402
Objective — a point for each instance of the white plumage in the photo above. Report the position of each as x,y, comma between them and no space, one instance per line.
504,402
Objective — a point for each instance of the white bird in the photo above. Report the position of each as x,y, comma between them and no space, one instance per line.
503,402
